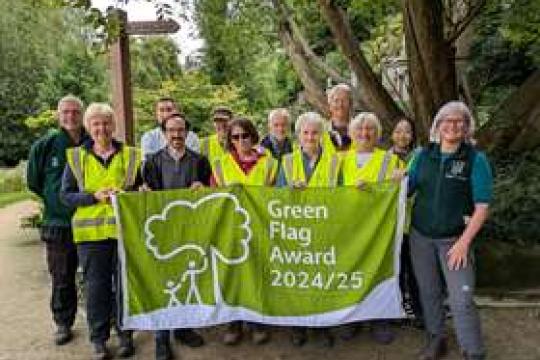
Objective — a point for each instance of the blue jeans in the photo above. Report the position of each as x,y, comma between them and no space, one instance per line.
429,258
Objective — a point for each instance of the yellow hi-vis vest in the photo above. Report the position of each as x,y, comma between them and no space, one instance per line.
327,143
379,167
227,171
97,222
211,148
324,175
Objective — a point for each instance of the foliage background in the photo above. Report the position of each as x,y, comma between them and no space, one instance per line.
245,67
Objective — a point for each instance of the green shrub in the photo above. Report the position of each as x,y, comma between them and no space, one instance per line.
13,179
515,212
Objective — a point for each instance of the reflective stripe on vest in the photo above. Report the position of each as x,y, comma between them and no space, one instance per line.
324,175
131,169
97,222
375,170
77,168
384,166
228,172
93,222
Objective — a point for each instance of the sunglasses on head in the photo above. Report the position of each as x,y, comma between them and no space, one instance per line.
243,136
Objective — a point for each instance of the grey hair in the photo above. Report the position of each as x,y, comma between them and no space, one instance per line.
98,109
278,112
366,117
70,98
337,88
451,108
310,117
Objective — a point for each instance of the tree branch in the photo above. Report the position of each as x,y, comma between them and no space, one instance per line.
371,92
285,12
459,26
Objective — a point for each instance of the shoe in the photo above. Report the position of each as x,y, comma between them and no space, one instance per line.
298,337
435,348
100,352
164,350
260,336
63,335
189,337
327,338
126,348
233,334
467,356
382,333
347,332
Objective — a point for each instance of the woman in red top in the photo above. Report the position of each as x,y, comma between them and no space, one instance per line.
242,139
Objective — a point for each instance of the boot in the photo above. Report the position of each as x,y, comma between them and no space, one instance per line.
189,337
435,349
63,335
126,348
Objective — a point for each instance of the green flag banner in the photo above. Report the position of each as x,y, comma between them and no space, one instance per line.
311,257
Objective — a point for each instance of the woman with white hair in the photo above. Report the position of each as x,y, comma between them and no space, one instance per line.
95,171
366,163
309,165
453,186
278,141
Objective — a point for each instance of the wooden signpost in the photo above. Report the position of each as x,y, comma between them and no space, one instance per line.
122,94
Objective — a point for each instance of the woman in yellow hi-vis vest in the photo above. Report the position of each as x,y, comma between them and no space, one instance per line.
244,164
310,165
365,163
94,172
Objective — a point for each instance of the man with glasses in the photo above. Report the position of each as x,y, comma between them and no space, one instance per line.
175,167
46,164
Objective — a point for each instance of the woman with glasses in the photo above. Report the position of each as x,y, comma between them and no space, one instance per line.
243,164
453,185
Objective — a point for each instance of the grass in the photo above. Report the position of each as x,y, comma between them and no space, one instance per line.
13,197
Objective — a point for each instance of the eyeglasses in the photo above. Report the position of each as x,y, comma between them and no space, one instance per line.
243,136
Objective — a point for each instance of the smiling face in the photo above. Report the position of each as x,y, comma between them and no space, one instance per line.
364,135
402,135
175,133
452,128
101,129
279,127
241,140
310,137
339,104
69,116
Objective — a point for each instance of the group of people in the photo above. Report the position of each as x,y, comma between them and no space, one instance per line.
77,168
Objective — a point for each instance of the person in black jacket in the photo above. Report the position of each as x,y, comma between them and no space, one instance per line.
175,167
46,163
278,140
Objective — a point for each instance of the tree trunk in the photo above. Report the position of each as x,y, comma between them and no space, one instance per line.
431,59
515,124
370,90
315,94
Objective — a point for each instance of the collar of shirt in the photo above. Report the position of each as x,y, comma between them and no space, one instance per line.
175,154
307,159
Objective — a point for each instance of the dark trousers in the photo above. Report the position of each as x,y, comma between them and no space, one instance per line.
99,264
62,265
407,280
